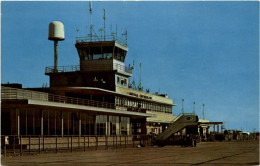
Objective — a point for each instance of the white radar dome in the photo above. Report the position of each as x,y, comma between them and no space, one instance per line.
56,31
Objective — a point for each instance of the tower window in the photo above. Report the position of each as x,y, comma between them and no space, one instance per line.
122,81
97,56
108,55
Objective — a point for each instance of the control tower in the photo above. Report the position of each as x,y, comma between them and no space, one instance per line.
103,77
101,64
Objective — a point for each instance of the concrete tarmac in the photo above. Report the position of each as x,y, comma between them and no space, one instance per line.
206,153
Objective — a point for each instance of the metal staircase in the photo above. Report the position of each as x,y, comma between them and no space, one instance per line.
180,122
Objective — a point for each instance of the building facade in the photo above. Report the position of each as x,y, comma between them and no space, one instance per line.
93,98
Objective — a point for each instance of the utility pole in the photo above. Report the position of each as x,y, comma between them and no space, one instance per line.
104,17
194,108
182,109
203,113
90,13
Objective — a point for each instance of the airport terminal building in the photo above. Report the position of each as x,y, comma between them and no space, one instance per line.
93,98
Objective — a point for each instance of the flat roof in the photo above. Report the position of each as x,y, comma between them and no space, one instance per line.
111,92
211,123
56,105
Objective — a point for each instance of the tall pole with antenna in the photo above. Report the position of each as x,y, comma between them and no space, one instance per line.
194,107
203,113
133,84
182,109
90,12
140,74
104,17
140,84
125,34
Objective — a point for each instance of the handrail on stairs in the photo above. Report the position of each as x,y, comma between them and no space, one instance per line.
181,114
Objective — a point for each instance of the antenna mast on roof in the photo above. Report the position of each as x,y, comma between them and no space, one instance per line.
203,113
140,84
194,107
182,109
104,17
125,34
133,83
140,75
90,12
77,30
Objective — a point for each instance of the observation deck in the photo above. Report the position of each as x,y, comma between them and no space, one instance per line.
75,68
107,38
22,96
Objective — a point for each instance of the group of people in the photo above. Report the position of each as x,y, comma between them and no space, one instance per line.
188,140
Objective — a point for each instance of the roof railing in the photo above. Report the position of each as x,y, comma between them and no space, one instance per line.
96,38
60,69
14,93
51,69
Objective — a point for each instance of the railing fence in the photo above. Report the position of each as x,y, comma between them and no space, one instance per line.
20,145
60,69
14,93
96,38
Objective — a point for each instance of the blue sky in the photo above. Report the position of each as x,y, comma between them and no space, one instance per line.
206,52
